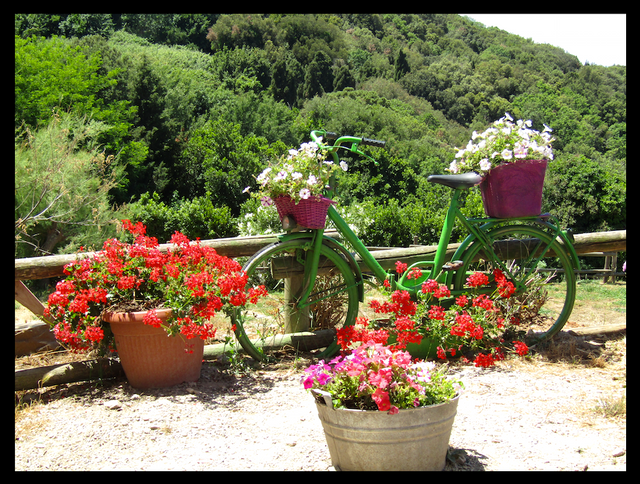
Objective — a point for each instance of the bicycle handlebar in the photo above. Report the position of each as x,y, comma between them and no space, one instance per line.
355,143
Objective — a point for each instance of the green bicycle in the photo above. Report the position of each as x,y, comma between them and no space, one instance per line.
324,282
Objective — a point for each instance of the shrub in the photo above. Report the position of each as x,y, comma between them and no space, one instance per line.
197,218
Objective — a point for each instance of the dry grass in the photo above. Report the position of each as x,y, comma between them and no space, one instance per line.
22,314
29,418
599,304
612,406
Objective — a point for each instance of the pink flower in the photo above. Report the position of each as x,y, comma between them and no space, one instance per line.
308,382
382,399
323,378
381,378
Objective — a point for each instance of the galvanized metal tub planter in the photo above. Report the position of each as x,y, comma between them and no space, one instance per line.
410,440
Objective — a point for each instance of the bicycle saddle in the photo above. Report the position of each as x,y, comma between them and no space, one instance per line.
466,180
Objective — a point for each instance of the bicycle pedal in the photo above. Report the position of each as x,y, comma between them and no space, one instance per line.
454,265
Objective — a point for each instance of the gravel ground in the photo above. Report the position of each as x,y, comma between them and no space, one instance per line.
519,415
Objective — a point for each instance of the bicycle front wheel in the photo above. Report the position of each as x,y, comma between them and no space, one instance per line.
278,322
540,268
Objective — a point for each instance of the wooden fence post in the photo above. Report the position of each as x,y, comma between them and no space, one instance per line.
610,263
295,320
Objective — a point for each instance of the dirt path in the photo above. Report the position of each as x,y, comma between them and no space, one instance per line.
562,409
520,415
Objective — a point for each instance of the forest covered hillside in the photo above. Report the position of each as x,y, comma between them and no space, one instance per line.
166,118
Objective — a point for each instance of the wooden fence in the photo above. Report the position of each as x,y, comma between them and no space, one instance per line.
52,266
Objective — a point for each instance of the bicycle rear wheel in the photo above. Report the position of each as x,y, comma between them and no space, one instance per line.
263,331
540,268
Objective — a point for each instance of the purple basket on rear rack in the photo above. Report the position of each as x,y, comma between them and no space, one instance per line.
514,189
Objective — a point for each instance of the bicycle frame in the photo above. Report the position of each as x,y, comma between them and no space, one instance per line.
477,229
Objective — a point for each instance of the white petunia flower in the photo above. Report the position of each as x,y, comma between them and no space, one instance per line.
520,151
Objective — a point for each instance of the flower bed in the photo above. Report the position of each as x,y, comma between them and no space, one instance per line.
473,327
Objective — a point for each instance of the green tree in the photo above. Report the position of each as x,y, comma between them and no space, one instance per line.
587,195
219,160
50,73
61,189
195,218
241,30
318,77
401,65
285,78
153,128
81,24
344,79
37,24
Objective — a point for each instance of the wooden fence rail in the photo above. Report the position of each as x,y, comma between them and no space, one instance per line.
52,266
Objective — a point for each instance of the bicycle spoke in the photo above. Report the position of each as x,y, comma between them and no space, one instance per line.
535,262
333,300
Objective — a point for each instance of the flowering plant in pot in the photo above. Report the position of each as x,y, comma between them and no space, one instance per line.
296,180
385,378
300,174
512,158
176,291
381,410
502,143
476,327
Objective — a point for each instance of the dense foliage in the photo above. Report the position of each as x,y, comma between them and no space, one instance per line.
189,108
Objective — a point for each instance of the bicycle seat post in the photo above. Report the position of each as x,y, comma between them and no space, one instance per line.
447,230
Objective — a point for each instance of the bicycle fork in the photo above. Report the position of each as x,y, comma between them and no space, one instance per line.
301,294
310,268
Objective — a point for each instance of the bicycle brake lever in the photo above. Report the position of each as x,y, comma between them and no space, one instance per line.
354,149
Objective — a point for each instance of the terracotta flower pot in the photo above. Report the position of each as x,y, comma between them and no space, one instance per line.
514,189
150,358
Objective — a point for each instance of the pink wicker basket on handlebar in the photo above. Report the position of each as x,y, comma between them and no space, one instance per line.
310,213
